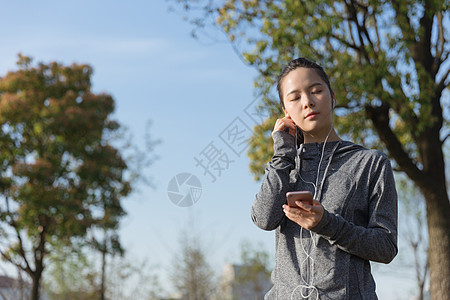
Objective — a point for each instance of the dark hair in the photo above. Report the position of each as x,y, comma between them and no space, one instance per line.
301,62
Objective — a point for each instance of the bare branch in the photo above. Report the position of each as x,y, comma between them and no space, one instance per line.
365,31
22,251
442,85
8,259
349,25
13,224
441,40
445,138
376,31
353,15
342,41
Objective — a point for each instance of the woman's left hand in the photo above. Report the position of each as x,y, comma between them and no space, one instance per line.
305,215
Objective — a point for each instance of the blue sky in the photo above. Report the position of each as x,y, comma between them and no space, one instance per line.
194,93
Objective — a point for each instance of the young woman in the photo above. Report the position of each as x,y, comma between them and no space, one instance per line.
323,250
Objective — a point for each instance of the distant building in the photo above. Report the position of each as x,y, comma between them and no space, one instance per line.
241,283
15,289
426,296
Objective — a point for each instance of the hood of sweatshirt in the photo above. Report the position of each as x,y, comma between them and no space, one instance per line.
317,157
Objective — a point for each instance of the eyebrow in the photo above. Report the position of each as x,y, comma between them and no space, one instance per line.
309,87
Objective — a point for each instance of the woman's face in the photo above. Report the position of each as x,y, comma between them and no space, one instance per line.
308,101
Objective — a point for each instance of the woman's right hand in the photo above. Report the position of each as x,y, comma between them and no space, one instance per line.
284,123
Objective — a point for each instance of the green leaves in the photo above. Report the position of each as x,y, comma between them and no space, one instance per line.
60,176
375,54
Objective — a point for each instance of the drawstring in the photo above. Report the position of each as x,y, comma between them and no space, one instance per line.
307,288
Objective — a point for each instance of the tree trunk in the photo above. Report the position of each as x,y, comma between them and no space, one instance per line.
102,284
433,186
35,287
438,219
432,183
39,254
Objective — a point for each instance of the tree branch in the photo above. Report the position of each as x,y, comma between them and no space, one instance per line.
403,21
22,251
39,251
8,258
441,39
380,120
398,103
366,33
342,41
14,225
376,32
353,15
445,138
442,85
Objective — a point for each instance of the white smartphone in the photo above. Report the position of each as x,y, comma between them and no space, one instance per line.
305,196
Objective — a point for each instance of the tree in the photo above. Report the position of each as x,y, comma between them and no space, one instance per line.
389,66
74,275
60,175
254,272
14,287
191,274
103,236
133,279
71,274
414,232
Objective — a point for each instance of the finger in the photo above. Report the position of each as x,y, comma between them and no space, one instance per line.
294,216
317,209
291,211
291,125
287,121
278,125
303,205
282,124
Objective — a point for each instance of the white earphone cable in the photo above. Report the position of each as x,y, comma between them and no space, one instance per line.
306,287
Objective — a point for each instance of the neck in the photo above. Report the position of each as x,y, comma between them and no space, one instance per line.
331,134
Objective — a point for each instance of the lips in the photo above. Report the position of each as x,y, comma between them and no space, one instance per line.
311,115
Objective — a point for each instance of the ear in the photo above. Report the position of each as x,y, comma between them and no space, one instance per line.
333,101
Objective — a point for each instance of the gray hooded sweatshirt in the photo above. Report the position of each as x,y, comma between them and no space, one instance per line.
356,187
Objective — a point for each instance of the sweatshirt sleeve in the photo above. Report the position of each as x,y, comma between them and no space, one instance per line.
377,241
267,211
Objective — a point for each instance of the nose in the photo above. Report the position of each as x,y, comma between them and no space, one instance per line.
308,101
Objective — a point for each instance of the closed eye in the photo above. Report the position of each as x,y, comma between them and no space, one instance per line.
293,97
